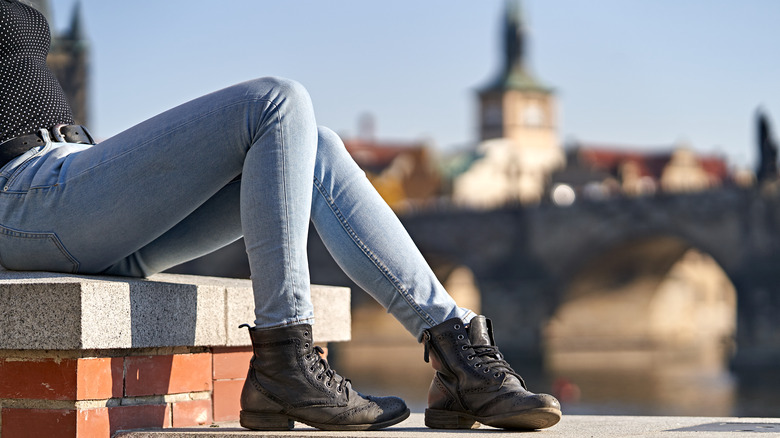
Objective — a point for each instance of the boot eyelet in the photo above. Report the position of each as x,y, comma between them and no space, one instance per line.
486,370
306,334
471,357
478,365
311,368
306,345
319,377
464,348
497,375
308,356
457,326
460,337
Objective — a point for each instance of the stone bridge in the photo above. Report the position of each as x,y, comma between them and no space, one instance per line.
526,261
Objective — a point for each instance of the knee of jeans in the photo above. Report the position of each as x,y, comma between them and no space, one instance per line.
327,139
332,154
330,146
284,90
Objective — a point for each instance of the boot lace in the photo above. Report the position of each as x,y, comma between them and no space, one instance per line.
488,356
322,369
491,358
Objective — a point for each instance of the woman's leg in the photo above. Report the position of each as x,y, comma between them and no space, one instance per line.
359,229
473,383
371,245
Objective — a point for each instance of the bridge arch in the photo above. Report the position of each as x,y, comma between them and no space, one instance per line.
648,296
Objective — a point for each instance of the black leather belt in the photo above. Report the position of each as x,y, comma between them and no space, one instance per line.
14,147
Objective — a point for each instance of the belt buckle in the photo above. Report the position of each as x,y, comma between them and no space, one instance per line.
57,134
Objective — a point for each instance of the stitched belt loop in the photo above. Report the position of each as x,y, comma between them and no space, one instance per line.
44,133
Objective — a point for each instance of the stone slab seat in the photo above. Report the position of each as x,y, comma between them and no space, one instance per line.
53,311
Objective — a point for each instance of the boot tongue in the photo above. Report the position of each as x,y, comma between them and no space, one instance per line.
478,331
480,335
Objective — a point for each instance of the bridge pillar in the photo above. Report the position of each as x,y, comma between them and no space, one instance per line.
758,314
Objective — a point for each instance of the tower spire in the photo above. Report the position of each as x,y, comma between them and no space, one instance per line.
76,32
515,74
514,36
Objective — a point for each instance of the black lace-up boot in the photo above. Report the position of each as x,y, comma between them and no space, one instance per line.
474,384
289,381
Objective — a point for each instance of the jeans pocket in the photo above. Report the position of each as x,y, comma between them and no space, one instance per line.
30,251
15,168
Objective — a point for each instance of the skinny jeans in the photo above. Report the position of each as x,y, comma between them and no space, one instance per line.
248,160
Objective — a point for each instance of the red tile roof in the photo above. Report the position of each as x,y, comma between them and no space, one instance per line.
649,163
375,156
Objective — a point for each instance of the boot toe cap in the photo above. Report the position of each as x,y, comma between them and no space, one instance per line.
391,407
535,401
373,413
547,401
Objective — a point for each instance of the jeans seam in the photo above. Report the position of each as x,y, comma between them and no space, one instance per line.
292,322
372,256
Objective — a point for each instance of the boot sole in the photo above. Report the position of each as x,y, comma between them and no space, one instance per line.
268,421
539,418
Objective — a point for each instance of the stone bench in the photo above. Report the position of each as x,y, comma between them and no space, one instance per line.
84,356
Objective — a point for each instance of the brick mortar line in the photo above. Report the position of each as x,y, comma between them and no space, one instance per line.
99,354
103,403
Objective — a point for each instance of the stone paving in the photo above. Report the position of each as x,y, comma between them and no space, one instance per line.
570,426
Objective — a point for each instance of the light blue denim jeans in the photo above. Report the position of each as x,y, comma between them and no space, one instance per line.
247,160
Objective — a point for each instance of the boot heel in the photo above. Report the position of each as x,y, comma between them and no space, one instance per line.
438,419
260,421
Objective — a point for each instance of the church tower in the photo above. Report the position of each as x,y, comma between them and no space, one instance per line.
519,148
516,105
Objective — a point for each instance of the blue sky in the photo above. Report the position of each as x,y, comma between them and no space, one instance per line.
630,73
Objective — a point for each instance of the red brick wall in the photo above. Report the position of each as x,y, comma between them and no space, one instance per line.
95,397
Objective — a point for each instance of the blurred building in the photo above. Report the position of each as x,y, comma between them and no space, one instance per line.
598,171
519,146
69,60
517,153
519,158
404,173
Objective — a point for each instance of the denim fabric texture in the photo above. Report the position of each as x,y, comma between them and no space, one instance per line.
248,160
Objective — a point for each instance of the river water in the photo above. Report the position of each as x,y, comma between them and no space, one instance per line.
674,391
613,392
628,385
